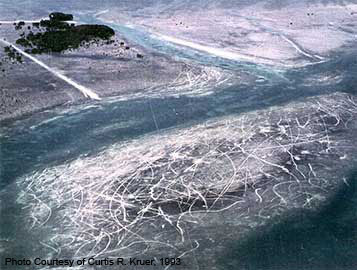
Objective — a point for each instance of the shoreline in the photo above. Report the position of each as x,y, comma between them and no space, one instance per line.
108,70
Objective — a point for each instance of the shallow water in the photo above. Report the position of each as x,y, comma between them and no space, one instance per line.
321,239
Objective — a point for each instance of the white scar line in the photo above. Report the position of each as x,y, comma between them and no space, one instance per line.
25,21
85,91
215,51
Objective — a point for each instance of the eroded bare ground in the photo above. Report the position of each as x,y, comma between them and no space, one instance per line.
153,196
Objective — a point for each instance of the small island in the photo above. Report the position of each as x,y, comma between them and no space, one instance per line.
59,35
59,16
56,35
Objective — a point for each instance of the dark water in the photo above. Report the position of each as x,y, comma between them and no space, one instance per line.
324,239
24,148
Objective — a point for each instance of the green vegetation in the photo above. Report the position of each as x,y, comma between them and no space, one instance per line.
12,54
23,42
57,35
54,25
60,36
19,25
58,16
61,40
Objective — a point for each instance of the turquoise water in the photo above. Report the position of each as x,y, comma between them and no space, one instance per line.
323,239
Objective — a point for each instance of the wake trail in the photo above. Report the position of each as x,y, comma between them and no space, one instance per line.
300,50
211,50
25,21
295,45
84,90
